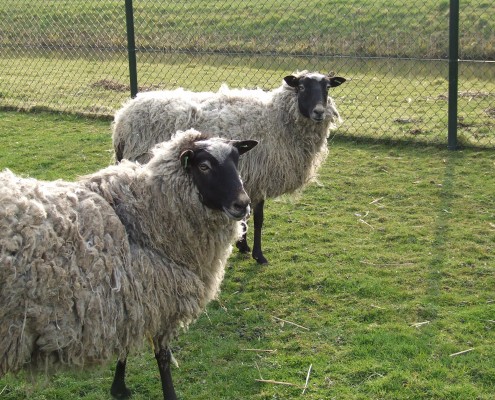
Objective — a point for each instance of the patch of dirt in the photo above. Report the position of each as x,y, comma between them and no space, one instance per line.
474,94
468,94
108,84
115,86
408,120
148,88
490,111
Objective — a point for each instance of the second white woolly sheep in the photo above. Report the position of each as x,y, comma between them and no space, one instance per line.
291,123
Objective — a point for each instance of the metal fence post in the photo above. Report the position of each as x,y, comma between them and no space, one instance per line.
131,47
453,73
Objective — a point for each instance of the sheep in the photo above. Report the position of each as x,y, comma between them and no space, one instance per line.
292,122
90,268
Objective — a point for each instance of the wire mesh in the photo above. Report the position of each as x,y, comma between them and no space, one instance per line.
71,56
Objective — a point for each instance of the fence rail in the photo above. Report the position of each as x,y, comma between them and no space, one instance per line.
72,56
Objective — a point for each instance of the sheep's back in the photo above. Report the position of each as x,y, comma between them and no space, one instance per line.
291,147
62,257
151,118
154,117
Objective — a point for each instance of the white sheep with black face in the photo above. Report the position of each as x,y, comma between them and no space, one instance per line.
291,123
90,268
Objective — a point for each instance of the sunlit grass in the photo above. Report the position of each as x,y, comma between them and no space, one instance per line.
71,56
386,266
384,100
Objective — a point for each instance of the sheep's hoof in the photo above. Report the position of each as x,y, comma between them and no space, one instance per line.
118,392
242,246
260,258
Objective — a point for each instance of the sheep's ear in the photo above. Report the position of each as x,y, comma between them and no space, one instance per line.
336,81
292,81
185,158
244,146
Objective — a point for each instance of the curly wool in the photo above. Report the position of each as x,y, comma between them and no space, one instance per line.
291,147
88,269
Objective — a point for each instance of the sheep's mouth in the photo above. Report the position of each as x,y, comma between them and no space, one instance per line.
237,214
318,119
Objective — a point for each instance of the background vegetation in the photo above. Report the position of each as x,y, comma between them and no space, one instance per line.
384,28
71,56
382,100
379,276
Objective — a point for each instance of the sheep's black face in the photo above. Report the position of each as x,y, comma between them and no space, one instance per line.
312,93
213,166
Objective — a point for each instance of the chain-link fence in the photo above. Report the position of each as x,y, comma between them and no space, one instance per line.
71,56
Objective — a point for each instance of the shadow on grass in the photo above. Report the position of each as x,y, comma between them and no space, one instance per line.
440,245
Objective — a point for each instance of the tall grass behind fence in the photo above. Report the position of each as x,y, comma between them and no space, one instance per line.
71,56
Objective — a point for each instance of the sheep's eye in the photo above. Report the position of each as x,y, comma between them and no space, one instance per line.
203,167
301,88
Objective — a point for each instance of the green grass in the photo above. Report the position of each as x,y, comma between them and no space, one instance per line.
71,56
344,27
390,237
383,99
51,146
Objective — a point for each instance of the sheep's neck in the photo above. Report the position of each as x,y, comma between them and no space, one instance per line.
189,235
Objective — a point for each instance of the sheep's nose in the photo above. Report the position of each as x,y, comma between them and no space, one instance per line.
318,112
240,208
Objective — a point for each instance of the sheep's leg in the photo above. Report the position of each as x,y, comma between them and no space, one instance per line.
242,244
258,224
119,389
163,358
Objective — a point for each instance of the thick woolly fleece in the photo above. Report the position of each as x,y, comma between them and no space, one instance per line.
88,269
291,149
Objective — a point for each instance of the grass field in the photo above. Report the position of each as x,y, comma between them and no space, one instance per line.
379,276
385,99
70,56
342,27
